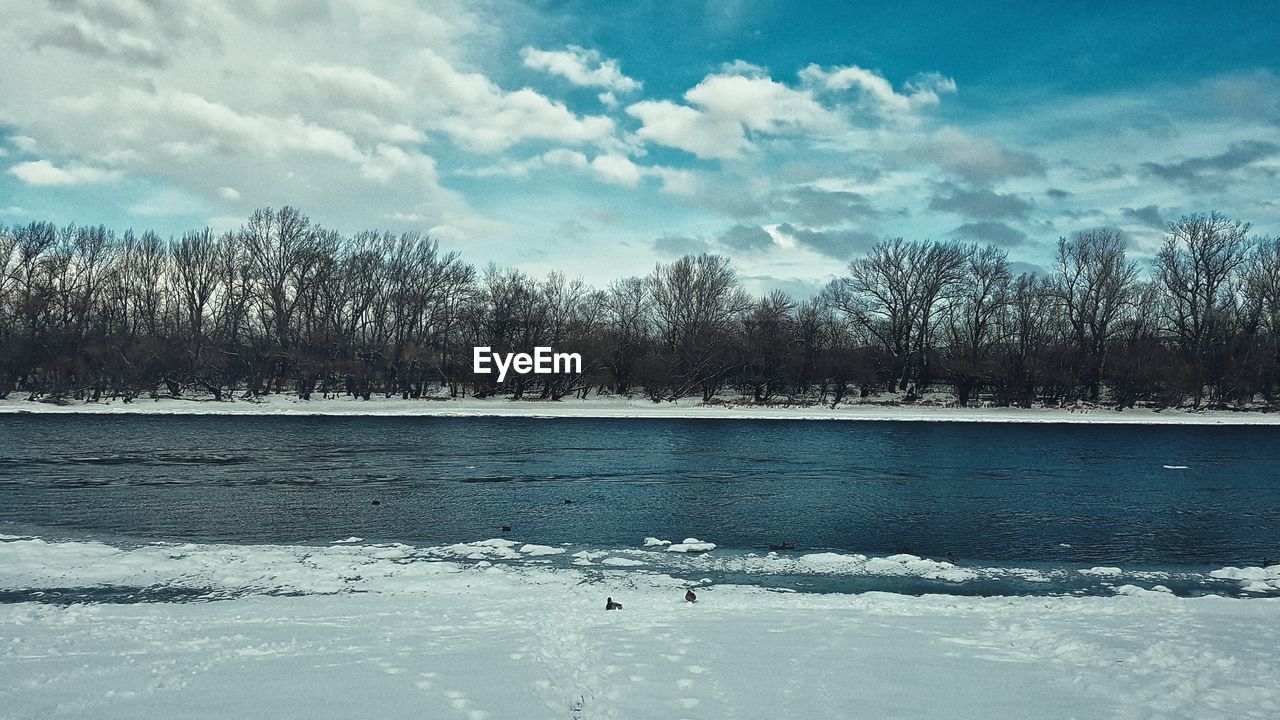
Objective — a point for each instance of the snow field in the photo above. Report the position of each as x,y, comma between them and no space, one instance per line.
492,630
500,642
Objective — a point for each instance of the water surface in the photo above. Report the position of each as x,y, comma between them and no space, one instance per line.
989,492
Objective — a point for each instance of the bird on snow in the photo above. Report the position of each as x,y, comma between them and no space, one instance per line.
609,604
689,596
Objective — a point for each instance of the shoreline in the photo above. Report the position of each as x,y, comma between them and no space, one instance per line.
638,408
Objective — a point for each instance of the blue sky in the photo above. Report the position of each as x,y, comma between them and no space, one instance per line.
601,138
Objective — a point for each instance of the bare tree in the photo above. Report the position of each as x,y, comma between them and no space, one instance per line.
280,247
1094,285
973,318
1196,264
627,307
286,303
1030,330
893,293
696,301
769,344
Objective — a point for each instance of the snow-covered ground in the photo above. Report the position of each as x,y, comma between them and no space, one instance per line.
497,629
936,408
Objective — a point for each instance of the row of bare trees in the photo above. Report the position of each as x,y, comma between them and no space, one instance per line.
283,305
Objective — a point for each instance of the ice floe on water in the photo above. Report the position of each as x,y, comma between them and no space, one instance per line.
1252,579
30,564
691,545
535,550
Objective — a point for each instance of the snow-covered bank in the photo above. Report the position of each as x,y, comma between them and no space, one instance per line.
483,640
619,407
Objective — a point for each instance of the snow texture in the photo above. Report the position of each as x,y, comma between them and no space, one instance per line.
483,631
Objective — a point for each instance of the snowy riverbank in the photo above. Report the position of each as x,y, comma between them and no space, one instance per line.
619,407
383,631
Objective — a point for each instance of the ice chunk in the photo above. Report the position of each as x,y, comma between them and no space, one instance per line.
692,545
531,549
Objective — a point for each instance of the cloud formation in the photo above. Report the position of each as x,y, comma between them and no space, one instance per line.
746,238
1149,216
1215,171
877,92
813,206
722,110
990,231
42,173
582,67
478,124
976,159
981,203
840,245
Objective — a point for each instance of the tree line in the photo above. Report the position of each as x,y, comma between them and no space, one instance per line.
285,305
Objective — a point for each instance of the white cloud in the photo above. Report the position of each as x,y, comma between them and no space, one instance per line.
482,117
42,173
922,92
582,67
23,143
618,169
761,104
685,128
676,181
352,85
612,167
340,108
724,107
559,157
96,40
975,158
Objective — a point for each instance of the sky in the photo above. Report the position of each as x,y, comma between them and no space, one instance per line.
600,138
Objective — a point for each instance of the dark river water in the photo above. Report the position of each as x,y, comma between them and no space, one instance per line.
994,492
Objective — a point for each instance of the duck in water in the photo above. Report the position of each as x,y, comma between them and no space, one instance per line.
609,604
689,596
